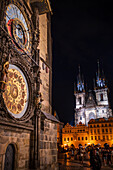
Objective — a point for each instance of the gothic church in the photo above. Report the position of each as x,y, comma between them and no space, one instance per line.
91,105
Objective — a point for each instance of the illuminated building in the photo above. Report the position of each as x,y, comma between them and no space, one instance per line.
94,104
98,131
28,130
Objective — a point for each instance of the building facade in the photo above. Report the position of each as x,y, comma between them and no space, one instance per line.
28,131
99,131
93,104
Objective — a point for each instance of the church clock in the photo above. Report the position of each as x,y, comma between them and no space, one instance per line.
18,29
16,93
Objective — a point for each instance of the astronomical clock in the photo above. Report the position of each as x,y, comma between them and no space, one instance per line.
18,93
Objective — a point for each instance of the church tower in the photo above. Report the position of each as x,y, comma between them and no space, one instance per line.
101,89
79,99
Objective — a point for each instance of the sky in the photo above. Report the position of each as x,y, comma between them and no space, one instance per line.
82,33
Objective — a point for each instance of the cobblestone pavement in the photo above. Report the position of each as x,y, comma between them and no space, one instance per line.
74,164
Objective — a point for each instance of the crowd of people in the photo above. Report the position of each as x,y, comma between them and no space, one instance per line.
98,156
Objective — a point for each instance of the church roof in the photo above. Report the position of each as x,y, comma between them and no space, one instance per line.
90,101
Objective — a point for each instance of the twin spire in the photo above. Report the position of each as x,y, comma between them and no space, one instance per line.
100,81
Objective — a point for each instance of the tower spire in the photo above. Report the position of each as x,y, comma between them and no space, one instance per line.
80,81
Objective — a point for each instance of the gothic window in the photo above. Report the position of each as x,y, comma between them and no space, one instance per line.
101,97
92,116
79,100
80,118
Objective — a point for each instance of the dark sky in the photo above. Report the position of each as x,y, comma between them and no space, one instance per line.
82,33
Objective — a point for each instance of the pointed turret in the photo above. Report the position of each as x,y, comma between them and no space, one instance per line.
80,83
100,79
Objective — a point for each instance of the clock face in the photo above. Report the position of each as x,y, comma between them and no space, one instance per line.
16,92
17,28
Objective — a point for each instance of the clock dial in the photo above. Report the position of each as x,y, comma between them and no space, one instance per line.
17,28
16,92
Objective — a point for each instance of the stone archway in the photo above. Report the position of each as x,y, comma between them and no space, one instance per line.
9,157
92,116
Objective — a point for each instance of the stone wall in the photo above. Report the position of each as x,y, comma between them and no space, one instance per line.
20,139
48,145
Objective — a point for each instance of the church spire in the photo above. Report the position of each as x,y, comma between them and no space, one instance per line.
100,78
80,82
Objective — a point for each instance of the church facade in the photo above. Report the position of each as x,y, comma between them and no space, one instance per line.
28,131
93,104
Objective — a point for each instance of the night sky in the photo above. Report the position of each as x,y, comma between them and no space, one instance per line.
82,33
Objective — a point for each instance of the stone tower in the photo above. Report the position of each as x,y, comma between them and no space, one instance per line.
28,131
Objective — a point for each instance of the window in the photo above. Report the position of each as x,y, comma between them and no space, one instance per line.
101,97
98,130
94,130
67,139
110,136
95,137
80,118
78,130
107,137
110,130
91,137
94,125
83,130
105,125
91,131
91,126
71,139
79,100
102,125
98,137
97,125
109,124
102,111
64,139
86,138
102,130
82,138
78,138
106,130
103,137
